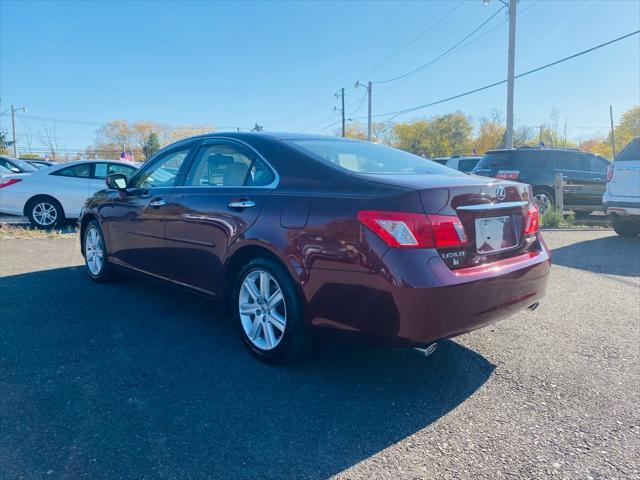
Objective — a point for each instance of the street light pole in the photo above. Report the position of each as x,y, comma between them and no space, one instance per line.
508,138
343,129
13,127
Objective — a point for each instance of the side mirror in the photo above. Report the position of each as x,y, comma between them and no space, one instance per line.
116,181
15,169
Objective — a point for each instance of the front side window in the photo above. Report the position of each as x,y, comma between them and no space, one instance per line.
227,165
81,171
164,171
364,157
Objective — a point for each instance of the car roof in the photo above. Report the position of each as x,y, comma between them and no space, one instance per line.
272,136
536,149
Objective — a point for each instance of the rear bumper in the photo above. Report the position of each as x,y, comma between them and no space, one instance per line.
627,206
415,299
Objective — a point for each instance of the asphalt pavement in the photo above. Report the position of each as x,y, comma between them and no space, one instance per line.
136,379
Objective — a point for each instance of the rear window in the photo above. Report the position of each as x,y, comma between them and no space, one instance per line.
364,157
498,159
631,152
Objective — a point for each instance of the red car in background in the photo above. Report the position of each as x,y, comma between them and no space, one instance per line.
300,233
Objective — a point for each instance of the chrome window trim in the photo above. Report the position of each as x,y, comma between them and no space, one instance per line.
269,186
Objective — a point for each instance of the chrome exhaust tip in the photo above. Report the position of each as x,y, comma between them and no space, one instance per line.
427,350
533,306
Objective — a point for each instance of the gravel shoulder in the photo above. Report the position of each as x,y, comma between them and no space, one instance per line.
139,380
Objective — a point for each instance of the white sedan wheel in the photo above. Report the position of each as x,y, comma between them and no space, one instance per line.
44,214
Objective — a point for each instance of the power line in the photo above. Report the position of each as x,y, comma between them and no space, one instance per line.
485,87
415,39
446,52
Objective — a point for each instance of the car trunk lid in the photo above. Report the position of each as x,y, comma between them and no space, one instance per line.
493,213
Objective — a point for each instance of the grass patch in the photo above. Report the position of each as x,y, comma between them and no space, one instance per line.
554,218
8,231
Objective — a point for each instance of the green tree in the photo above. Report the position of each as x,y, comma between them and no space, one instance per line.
628,127
5,143
151,145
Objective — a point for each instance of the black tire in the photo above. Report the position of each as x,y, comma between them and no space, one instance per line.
297,340
626,228
36,207
106,272
550,195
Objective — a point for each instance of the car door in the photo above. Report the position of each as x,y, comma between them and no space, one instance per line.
595,181
569,163
70,186
222,195
136,218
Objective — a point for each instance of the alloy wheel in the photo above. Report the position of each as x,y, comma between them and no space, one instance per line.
93,250
44,214
544,202
262,309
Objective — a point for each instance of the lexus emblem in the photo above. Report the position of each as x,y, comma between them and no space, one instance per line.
501,193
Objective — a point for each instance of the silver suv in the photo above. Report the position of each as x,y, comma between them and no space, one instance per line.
621,199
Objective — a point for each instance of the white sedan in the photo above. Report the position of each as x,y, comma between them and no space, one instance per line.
50,196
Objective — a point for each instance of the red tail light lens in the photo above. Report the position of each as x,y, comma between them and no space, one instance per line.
415,230
9,181
532,225
508,174
609,172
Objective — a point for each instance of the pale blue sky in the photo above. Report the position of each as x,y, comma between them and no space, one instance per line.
278,63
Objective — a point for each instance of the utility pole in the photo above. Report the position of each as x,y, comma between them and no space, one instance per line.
369,114
369,88
13,130
342,110
508,140
13,127
613,138
540,137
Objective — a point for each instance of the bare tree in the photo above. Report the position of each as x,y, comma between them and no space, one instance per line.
49,139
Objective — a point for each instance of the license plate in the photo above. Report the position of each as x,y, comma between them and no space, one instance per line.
495,234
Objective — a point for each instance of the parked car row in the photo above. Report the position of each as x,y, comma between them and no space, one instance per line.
54,194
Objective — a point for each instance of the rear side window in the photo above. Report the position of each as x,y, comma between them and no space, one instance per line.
631,152
497,159
81,171
569,161
593,163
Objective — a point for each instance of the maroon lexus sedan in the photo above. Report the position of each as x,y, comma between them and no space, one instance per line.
300,233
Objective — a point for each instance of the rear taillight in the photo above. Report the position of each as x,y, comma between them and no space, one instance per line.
609,172
508,174
415,230
532,225
9,181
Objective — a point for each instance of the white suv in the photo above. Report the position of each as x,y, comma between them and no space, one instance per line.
621,199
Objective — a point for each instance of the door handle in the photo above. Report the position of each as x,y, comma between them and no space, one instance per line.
241,204
161,202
